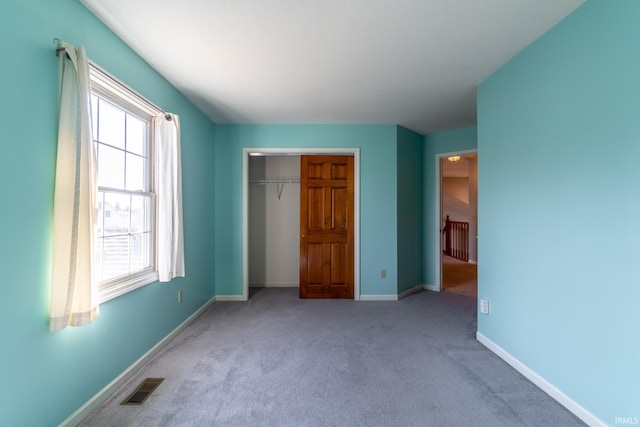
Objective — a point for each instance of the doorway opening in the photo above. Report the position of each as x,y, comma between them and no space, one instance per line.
457,200
254,229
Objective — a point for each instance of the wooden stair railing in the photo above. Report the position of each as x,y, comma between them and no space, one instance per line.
456,239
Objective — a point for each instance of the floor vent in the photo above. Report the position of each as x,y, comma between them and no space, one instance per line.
143,391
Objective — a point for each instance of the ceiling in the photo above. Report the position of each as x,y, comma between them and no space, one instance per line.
410,62
457,169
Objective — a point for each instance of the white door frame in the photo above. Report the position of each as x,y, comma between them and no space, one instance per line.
438,257
246,152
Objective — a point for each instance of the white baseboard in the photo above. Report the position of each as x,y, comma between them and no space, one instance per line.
86,409
433,288
472,261
378,297
227,298
410,291
542,383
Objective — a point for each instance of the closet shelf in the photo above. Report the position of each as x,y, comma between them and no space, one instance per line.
276,181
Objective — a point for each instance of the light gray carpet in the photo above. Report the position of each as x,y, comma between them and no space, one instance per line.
280,361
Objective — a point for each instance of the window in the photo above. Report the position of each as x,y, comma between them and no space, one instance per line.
123,134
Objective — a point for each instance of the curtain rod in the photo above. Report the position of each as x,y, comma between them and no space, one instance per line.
58,44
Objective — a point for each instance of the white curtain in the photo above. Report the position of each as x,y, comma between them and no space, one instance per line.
169,194
74,299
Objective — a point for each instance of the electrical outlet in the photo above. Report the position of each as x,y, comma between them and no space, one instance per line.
484,306
179,296
383,274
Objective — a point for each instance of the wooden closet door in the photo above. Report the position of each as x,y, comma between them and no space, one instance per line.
326,227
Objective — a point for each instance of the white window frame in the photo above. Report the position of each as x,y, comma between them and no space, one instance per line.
107,86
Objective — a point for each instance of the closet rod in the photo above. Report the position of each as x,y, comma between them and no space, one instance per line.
275,181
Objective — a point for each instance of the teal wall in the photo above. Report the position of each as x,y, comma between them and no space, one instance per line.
378,194
559,143
434,144
410,208
69,367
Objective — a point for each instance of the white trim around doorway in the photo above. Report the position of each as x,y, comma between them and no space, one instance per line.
246,152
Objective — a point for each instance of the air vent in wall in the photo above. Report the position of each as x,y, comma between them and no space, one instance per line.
143,391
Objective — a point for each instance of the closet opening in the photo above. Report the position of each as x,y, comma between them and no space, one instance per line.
274,221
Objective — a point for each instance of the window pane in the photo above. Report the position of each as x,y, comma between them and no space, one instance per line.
140,214
115,257
100,218
110,167
136,173
116,214
139,251
111,124
136,135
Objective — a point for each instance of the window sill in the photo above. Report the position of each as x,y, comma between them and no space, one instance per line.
114,290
